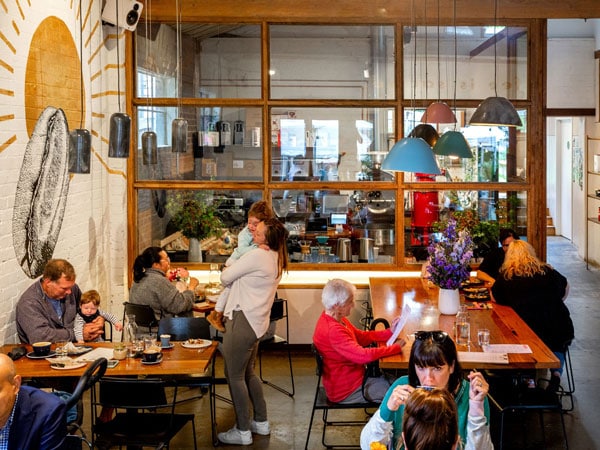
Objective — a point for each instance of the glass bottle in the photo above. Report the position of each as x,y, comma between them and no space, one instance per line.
463,326
131,329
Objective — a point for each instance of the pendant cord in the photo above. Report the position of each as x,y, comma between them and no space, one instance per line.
495,51
81,64
118,59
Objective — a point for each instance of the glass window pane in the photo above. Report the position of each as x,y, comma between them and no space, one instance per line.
478,62
220,60
483,212
330,144
222,143
155,210
499,153
342,62
318,220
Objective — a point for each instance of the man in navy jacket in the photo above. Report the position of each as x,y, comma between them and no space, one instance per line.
29,418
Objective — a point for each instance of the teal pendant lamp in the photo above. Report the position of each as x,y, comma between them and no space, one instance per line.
411,155
453,144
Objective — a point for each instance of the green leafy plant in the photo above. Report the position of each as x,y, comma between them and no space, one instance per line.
194,213
483,232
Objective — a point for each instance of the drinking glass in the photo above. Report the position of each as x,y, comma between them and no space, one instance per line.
62,348
483,337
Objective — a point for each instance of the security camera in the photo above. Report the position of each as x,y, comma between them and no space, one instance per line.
122,13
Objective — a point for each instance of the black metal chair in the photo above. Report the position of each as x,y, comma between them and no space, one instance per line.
144,317
321,402
512,394
566,392
181,329
75,434
145,413
279,311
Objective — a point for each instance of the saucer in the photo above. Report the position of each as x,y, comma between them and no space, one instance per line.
150,363
171,345
32,355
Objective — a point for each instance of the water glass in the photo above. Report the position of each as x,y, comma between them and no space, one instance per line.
483,337
62,348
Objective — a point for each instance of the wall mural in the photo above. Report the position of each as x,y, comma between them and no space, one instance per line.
41,194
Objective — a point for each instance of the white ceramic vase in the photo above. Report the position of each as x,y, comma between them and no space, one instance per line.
449,301
194,254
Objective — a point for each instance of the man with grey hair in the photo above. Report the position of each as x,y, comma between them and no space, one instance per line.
346,349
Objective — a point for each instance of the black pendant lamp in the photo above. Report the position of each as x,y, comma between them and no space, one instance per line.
80,139
120,123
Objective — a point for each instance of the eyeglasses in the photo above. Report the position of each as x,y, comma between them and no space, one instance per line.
437,336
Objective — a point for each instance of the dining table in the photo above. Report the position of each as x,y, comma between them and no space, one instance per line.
177,360
417,297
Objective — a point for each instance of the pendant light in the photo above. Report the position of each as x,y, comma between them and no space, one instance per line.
80,139
496,111
149,140
412,154
120,122
179,126
453,143
438,112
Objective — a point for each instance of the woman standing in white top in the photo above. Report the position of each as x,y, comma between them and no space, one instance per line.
253,281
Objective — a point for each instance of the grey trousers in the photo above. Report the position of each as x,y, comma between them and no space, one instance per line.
240,347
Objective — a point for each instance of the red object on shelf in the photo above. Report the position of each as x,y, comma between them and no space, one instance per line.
426,211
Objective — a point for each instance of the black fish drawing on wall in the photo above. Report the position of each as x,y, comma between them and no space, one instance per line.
41,195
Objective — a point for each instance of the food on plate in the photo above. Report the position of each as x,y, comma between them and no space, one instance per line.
194,341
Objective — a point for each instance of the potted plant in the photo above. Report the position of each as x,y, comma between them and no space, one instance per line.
194,213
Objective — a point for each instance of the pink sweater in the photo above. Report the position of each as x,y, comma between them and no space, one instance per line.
345,353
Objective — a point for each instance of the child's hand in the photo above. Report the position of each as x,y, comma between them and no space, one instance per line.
119,326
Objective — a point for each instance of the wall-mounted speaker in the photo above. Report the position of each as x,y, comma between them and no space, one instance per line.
122,13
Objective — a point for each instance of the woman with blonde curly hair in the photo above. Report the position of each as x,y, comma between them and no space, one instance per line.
536,292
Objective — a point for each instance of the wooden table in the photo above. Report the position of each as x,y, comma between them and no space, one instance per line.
176,361
388,296
201,309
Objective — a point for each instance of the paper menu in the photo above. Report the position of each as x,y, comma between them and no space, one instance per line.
399,324
100,352
507,348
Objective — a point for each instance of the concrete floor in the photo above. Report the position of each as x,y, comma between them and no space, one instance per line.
289,417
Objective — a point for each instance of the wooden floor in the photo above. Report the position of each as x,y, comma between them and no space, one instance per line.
289,417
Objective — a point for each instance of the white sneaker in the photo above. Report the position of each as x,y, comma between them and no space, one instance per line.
261,428
236,437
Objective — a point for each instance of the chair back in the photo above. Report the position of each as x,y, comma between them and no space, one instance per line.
144,315
183,328
318,360
89,378
129,393
278,310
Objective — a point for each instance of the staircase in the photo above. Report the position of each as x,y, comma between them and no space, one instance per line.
550,229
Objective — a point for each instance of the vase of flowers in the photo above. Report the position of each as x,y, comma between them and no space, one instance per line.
448,265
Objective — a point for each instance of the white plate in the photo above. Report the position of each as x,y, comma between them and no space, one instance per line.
204,343
75,365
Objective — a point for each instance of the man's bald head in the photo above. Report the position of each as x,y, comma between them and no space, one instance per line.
10,383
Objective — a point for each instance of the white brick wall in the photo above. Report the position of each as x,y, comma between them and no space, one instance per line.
93,234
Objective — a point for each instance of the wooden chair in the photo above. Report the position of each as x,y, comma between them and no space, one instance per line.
321,402
279,311
145,413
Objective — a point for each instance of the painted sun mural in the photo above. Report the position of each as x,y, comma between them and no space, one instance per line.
49,92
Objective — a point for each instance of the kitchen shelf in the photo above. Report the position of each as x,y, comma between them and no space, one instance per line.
592,148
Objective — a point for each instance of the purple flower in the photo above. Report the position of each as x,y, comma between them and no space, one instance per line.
448,262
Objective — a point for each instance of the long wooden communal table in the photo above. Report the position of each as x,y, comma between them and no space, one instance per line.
389,295
176,361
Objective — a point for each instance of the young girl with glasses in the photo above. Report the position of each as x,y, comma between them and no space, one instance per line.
433,363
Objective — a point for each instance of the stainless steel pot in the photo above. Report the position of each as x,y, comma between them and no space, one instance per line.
365,250
344,250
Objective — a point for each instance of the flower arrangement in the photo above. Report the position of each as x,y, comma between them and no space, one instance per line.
448,263
195,214
179,274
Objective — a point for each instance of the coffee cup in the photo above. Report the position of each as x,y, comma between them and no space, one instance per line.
150,356
165,340
41,348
